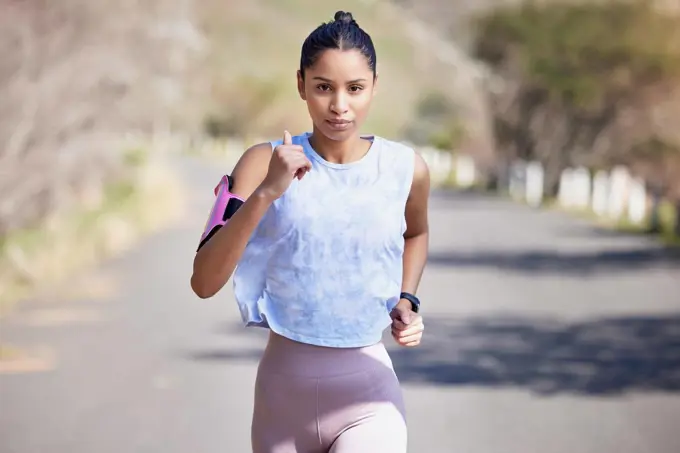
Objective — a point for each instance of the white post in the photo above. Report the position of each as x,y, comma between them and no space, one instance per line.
564,194
518,176
637,203
534,184
436,169
581,188
446,163
600,193
465,171
618,192
438,162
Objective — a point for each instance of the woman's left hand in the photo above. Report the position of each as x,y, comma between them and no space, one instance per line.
407,326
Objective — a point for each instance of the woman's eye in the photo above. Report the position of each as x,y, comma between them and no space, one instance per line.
356,88
323,87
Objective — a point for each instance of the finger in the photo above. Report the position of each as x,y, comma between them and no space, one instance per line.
408,332
300,159
411,331
410,341
410,338
398,324
401,325
299,162
413,320
291,152
300,173
408,317
287,139
295,148
406,338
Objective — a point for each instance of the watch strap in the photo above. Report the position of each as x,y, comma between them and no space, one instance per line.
415,302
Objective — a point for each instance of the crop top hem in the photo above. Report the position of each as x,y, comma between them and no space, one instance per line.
367,340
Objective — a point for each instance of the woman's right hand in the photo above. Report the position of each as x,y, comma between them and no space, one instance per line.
288,161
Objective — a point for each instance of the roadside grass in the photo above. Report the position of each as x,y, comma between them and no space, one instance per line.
129,209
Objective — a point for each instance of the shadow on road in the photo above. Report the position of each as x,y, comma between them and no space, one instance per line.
601,232
602,357
220,355
555,262
547,356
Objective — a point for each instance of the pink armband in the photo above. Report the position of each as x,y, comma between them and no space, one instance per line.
226,204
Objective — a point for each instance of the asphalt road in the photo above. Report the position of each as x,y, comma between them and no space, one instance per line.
544,334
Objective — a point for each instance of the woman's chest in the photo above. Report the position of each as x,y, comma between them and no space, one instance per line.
362,209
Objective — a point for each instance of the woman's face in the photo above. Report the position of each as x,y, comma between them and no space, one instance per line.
338,89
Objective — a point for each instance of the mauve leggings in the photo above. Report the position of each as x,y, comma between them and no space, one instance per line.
310,399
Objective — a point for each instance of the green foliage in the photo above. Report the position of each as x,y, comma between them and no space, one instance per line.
448,138
584,54
436,122
655,148
433,106
135,157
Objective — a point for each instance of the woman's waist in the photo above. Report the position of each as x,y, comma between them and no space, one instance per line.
336,323
297,358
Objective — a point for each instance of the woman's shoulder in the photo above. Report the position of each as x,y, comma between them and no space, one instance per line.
407,151
396,146
254,156
408,154
251,168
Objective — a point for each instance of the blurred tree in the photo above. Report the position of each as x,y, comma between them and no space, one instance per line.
436,122
75,77
586,83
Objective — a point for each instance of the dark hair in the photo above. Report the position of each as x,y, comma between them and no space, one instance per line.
342,33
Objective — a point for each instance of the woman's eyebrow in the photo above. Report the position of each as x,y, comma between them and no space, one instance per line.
324,79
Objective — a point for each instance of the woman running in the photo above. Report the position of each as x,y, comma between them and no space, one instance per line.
326,235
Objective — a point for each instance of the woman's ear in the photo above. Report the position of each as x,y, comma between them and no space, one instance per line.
301,86
375,85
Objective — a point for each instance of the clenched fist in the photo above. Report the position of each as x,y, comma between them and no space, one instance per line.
407,326
288,161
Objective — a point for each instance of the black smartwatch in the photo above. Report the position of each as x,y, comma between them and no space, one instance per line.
415,302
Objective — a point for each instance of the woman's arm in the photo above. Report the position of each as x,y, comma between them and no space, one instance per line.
261,176
216,260
407,327
417,230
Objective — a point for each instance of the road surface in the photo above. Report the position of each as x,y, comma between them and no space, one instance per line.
544,334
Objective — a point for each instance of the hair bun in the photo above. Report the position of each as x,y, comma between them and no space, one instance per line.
345,18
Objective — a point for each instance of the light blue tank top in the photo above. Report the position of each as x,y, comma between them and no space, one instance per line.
324,265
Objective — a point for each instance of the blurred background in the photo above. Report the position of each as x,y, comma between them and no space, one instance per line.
552,292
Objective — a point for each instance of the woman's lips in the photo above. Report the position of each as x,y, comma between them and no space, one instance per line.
339,124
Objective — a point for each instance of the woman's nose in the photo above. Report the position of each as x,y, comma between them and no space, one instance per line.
339,105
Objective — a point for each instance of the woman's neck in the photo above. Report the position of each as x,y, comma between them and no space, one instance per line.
339,152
